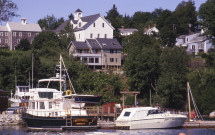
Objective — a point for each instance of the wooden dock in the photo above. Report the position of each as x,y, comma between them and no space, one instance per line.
199,124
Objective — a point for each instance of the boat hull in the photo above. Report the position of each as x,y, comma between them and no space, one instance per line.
69,122
156,123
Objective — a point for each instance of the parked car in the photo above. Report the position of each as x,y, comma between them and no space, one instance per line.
12,110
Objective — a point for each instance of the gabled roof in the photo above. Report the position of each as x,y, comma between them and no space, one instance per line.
78,10
127,30
3,28
89,20
24,27
61,27
198,38
108,43
93,43
80,45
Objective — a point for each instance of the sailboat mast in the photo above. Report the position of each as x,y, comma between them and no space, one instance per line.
60,72
32,69
188,97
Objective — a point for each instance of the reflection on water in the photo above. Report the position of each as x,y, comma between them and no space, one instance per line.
21,130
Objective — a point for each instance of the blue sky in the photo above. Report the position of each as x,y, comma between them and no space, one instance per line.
33,10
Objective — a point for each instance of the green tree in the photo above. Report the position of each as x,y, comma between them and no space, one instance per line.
50,22
140,18
141,63
172,82
186,16
24,45
71,16
7,10
67,35
207,16
115,18
47,40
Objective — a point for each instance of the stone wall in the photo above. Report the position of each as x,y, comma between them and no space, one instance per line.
10,119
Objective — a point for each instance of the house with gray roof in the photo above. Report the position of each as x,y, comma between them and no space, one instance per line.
12,33
194,43
88,27
97,53
126,31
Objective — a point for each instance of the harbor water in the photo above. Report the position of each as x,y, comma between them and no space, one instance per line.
22,130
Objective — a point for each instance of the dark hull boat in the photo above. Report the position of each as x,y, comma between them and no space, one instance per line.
69,122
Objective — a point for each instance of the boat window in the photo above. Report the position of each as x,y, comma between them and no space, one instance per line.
50,105
33,105
127,114
42,105
48,95
154,112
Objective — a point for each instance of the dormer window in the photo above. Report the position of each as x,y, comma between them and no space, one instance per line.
104,44
113,43
94,25
80,24
103,24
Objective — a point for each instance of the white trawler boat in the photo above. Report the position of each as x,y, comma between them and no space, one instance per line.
52,107
148,117
22,94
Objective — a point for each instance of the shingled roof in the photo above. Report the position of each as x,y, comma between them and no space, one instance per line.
93,43
3,28
61,27
24,27
80,45
107,43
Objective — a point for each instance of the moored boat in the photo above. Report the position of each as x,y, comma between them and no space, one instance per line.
51,106
148,117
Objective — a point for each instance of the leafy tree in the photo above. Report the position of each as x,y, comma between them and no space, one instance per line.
141,63
140,18
50,22
186,15
207,16
172,82
47,40
7,10
67,35
115,18
71,16
24,45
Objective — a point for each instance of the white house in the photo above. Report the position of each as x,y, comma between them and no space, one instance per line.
194,43
150,31
127,32
89,27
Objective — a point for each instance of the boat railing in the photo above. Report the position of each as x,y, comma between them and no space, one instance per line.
45,113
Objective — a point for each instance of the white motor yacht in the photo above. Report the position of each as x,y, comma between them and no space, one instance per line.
148,117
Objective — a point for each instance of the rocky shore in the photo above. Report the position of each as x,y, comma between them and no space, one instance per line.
10,119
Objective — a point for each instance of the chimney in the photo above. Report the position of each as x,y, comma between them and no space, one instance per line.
23,21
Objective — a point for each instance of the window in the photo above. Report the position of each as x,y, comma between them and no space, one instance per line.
79,24
193,47
91,35
111,51
29,34
50,105
14,34
79,36
116,59
42,105
6,40
1,33
105,35
79,51
91,60
111,59
98,35
126,114
94,25
85,60
103,25
96,60
6,33
18,40
33,105
20,34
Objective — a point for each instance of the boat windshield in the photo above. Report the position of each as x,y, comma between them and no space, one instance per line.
127,114
154,112
51,84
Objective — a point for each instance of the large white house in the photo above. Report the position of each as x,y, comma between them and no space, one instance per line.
89,27
194,43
